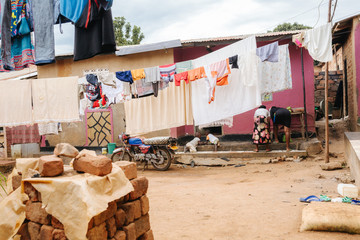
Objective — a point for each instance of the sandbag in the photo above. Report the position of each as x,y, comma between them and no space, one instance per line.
332,217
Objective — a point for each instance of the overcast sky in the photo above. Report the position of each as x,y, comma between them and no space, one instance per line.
162,20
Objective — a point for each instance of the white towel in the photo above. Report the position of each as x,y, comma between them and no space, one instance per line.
318,42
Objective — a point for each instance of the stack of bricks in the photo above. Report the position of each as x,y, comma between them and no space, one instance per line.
334,80
126,218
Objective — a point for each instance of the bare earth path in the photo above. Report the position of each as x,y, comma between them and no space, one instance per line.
250,202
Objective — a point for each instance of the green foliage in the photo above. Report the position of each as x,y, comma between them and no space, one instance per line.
125,34
289,27
2,183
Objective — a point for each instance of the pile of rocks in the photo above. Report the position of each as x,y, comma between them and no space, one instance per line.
126,218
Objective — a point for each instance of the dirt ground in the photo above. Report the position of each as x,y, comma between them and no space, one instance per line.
256,201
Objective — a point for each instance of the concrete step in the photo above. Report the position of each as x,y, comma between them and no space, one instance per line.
245,146
224,158
7,165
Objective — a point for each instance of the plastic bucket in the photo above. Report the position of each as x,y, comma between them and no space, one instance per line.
111,147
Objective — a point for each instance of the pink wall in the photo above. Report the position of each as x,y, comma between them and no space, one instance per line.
357,62
243,123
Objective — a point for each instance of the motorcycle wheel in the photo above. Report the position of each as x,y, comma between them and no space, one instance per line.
167,160
121,156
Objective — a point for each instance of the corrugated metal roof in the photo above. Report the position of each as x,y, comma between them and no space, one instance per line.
240,37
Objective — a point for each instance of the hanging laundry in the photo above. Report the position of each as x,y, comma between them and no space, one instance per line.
125,76
233,61
152,74
15,94
183,66
114,93
235,98
106,4
222,69
23,134
183,76
107,78
94,32
196,73
55,99
72,9
43,31
167,72
298,39
49,128
92,79
318,42
227,121
6,19
171,108
144,88
138,74
269,52
159,86
276,76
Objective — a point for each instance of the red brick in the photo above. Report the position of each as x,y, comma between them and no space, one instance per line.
50,166
24,231
137,211
120,217
129,209
142,225
140,187
99,165
147,236
46,232
144,200
120,235
56,223
105,215
97,233
33,194
130,231
65,149
34,230
129,168
59,234
35,213
111,227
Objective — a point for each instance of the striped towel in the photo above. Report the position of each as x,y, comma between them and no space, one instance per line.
167,72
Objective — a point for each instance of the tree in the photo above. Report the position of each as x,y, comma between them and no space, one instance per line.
289,27
125,34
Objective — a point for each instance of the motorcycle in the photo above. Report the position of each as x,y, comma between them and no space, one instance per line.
157,151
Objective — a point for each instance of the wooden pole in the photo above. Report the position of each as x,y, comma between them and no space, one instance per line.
327,101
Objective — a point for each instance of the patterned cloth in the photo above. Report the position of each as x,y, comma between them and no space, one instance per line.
167,72
23,134
261,133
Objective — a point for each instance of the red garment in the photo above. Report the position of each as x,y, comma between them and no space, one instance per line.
181,76
23,134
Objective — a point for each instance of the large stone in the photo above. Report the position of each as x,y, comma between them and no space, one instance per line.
120,218
46,232
50,166
144,200
56,223
59,234
35,213
105,215
129,169
33,194
130,231
34,230
137,209
147,236
97,233
129,209
331,166
65,149
140,187
120,235
111,227
97,165
142,225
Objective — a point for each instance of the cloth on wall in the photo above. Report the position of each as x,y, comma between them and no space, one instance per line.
269,52
227,121
94,33
15,94
171,108
49,128
238,96
55,99
318,42
276,76
23,134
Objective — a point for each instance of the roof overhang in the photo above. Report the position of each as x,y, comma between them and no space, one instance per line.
141,48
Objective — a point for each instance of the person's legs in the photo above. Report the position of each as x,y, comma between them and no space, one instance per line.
256,147
276,129
268,147
287,137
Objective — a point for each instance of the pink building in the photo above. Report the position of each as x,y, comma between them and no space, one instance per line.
243,123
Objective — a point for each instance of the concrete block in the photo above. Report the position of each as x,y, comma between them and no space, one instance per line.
129,209
144,201
140,187
137,209
111,227
97,233
142,225
105,215
130,231
97,165
50,166
120,218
